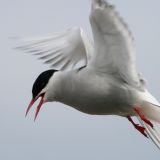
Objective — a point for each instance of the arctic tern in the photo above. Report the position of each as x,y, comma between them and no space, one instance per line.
99,77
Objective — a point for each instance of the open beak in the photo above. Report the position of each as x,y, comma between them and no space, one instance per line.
39,105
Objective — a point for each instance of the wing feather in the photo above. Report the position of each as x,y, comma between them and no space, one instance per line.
113,43
63,50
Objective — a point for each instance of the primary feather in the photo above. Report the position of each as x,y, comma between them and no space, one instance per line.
63,50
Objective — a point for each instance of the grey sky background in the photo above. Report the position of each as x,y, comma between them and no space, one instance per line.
60,132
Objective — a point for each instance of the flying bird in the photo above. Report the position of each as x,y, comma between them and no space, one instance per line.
96,77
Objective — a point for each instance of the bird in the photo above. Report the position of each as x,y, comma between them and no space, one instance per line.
97,77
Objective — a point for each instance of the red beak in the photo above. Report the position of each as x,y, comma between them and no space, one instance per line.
39,105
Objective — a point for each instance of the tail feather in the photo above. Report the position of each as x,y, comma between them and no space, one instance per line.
151,109
154,134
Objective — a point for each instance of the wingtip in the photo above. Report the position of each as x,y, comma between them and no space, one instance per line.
100,2
103,4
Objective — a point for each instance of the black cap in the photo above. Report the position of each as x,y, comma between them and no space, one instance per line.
41,82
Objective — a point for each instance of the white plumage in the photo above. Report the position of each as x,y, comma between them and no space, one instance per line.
98,77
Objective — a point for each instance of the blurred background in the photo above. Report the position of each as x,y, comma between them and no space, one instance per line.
61,132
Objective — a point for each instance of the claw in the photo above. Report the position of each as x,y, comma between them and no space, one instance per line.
138,127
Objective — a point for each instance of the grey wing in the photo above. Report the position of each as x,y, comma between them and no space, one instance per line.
114,49
62,51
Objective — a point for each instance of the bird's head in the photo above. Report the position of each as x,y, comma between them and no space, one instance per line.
39,90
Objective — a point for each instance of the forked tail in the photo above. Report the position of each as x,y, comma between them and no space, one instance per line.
151,109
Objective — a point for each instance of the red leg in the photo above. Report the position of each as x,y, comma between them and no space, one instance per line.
138,127
142,116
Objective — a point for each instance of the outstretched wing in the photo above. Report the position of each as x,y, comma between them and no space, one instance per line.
113,43
62,50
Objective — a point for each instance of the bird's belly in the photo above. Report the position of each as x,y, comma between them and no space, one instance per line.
99,95
115,102
103,108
